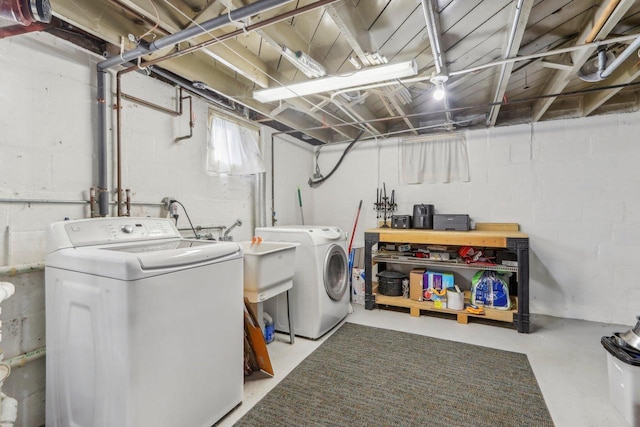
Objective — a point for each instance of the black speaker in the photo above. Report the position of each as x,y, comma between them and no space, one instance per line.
423,216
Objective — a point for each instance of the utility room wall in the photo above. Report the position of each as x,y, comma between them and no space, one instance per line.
48,153
572,185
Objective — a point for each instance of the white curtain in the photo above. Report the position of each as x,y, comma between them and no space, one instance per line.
432,160
233,149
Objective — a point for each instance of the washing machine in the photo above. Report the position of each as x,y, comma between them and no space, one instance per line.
319,298
144,328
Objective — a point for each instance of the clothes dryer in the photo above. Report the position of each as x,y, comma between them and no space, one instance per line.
319,298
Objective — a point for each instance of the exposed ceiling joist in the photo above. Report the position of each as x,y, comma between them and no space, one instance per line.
522,9
605,18
626,73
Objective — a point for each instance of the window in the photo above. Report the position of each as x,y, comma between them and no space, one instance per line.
233,148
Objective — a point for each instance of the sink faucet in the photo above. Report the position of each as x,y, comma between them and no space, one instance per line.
225,236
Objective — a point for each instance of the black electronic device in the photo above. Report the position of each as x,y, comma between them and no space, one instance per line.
423,216
444,222
401,221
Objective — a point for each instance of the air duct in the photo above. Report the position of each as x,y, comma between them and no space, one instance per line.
602,66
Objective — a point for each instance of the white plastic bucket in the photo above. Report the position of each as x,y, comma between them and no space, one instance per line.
455,300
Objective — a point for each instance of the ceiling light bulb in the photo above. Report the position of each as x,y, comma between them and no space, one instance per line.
438,94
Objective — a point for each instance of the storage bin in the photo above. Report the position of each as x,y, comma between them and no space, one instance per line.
623,369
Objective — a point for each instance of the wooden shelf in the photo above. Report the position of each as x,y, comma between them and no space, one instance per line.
416,306
422,262
485,238
489,236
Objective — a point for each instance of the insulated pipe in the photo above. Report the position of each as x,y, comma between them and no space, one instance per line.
191,32
433,30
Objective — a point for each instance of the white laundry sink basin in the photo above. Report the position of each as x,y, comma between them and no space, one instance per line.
268,269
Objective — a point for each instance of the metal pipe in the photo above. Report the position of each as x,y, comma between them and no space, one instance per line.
621,58
273,202
12,270
92,201
127,202
152,105
191,123
47,201
252,27
471,107
119,142
503,69
433,31
261,190
185,84
103,178
548,53
191,32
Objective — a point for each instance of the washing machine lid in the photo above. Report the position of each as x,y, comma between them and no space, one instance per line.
140,260
130,248
317,234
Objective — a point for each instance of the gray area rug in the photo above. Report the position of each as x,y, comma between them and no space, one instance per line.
364,376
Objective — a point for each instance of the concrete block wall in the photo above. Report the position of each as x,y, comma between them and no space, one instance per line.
48,152
572,185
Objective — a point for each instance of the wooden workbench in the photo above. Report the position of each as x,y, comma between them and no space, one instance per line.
512,240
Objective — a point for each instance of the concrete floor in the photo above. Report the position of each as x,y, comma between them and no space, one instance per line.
566,356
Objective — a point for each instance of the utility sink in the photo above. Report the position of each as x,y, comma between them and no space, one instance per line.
268,269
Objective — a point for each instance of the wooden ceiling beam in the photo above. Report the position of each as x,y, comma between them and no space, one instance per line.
626,73
519,20
562,77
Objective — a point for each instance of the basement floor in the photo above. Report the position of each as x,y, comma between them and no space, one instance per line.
566,356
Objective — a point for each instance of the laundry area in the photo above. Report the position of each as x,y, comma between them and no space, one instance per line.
319,212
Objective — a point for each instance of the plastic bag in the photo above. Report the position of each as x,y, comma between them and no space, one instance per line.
489,288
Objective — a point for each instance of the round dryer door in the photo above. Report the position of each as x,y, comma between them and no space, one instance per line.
335,272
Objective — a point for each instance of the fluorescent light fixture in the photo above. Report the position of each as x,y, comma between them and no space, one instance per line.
309,66
358,78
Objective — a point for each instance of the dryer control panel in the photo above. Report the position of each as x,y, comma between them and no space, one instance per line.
96,231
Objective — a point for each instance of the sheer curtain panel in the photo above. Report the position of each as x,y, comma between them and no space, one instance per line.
434,159
233,149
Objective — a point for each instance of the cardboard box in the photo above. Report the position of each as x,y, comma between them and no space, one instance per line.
357,286
416,284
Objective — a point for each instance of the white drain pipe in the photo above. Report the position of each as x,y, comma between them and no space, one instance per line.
8,405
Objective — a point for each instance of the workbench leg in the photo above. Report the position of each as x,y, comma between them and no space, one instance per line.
414,311
463,318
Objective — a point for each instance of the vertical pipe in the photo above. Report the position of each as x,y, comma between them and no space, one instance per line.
273,207
261,202
128,202
118,143
103,192
92,202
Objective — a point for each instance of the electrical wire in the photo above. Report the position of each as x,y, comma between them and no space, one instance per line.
187,214
247,61
313,183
